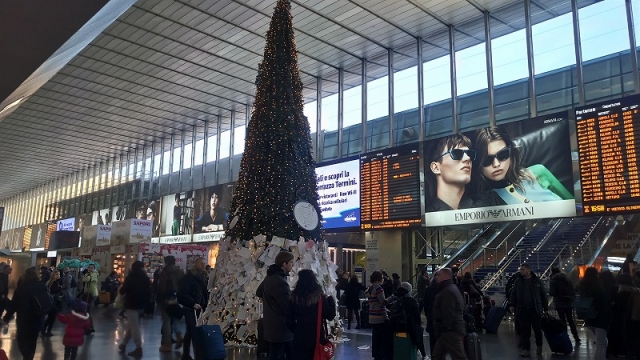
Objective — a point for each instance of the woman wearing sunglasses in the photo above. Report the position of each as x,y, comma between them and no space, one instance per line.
498,168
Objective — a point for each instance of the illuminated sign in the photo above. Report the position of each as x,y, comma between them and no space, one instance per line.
390,188
608,151
339,194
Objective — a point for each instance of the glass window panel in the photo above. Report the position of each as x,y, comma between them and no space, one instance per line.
199,152
211,148
238,140
138,169
165,166
352,111
603,28
310,112
437,80
156,166
188,150
147,168
176,159
509,56
471,68
377,97
329,113
405,89
225,143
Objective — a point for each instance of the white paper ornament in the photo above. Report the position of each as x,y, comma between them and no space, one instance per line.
233,222
306,215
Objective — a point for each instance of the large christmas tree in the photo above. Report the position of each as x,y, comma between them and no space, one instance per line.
277,173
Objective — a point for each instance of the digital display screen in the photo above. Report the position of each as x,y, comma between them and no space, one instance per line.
339,194
391,188
607,146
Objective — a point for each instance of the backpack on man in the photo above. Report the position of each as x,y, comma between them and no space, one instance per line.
397,312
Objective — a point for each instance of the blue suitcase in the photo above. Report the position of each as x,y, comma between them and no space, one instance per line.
208,341
559,343
493,319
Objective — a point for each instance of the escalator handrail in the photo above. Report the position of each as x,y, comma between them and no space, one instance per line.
464,247
482,248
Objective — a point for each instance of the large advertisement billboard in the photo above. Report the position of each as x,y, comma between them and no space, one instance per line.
211,211
515,171
339,194
38,237
1,218
177,214
5,239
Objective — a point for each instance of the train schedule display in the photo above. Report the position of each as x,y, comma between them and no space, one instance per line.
391,188
608,143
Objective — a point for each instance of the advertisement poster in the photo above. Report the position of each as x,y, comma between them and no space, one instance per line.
516,171
177,214
141,230
338,191
17,244
120,232
373,254
38,237
89,236
66,224
626,245
5,239
103,235
211,206
101,217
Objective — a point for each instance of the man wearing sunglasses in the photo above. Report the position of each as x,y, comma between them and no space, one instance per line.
451,164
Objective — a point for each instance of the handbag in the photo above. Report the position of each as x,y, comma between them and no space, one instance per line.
119,302
324,351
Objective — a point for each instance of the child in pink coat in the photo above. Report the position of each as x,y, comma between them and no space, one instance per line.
77,323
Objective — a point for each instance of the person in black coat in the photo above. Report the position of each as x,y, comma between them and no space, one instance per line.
429,298
591,287
304,310
55,290
137,292
352,298
413,325
28,322
193,297
275,292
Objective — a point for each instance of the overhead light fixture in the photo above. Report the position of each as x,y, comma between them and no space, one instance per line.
13,104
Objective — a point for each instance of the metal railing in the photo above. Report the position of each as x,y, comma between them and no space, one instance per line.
546,272
466,246
501,271
493,253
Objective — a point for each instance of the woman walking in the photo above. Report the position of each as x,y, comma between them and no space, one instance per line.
90,291
381,335
137,292
304,303
54,285
591,287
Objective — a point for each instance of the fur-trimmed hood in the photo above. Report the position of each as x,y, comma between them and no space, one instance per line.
81,316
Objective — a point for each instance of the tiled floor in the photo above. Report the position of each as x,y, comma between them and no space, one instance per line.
103,344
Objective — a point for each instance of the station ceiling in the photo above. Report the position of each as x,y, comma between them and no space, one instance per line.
87,80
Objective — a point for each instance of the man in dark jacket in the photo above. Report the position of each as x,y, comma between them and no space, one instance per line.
275,292
4,286
423,282
528,301
166,298
193,298
429,298
563,292
449,321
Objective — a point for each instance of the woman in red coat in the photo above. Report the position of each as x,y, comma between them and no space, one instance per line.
77,323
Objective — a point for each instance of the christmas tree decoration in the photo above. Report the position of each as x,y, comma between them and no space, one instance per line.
275,202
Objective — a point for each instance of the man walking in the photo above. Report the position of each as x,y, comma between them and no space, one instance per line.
449,322
275,292
528,301
167,299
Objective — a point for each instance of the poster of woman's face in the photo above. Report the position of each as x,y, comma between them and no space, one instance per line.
500,173
211,208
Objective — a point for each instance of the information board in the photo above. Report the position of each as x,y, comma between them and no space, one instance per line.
608,145
391,188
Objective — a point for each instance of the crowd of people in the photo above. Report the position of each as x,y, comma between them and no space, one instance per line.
70,300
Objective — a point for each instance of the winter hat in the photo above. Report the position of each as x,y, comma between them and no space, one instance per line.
79,306
405,285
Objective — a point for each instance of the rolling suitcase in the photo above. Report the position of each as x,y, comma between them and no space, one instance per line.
262,348
472,346
208,339
559,342
494,318
403,348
